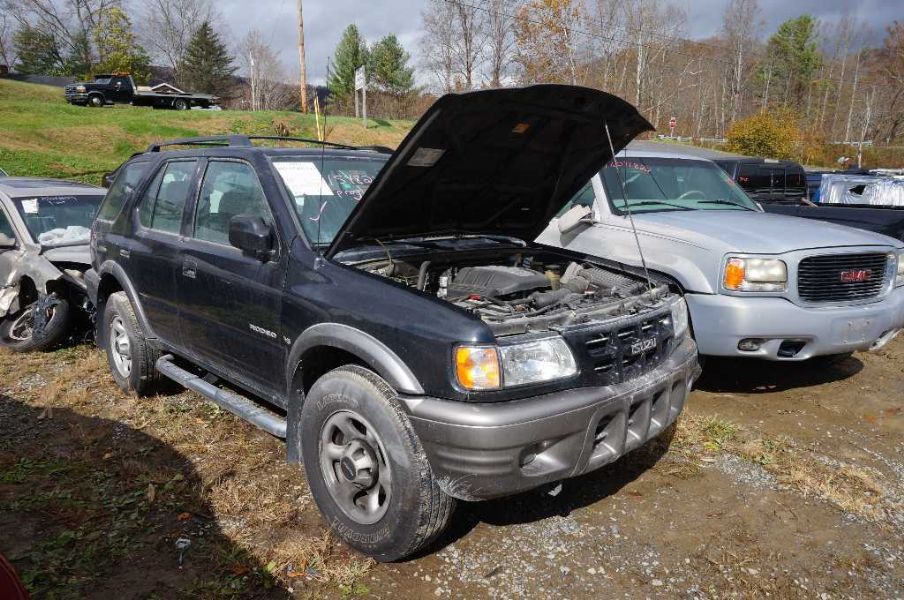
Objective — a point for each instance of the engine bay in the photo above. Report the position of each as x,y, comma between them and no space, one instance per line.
525,293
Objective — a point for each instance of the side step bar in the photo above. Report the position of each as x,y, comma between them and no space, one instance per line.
247,409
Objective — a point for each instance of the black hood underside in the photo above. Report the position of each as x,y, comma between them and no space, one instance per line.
492,162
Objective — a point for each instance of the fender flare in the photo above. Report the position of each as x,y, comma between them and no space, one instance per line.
114,270
372,351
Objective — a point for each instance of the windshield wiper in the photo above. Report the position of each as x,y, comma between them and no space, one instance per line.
725,202
657,203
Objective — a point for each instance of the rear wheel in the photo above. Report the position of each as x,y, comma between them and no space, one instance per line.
39,326
180,104
131,358
384,503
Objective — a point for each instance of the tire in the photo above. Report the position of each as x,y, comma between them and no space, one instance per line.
17,331
413,511
131,358
180,104
96,101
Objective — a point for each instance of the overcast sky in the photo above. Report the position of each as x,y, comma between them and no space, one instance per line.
325,20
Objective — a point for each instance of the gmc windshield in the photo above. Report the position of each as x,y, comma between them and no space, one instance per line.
647,184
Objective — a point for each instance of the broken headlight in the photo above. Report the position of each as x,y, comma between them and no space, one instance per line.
480,368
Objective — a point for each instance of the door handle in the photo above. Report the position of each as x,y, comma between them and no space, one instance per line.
190,269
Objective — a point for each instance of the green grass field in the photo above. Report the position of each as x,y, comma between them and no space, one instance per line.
41,135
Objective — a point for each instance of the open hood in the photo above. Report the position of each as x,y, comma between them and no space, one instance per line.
492,162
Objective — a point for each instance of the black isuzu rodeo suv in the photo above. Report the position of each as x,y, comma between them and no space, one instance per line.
390,316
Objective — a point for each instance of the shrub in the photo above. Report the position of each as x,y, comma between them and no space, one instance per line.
770,134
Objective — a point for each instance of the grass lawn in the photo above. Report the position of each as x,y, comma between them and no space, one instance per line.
41,135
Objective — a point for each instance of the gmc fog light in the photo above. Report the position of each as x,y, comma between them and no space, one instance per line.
750,344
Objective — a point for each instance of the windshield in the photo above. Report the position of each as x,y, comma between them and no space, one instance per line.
326,191
661,184
59,220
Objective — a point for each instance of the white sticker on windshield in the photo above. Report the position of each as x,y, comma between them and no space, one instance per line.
303,178
425,157
30,206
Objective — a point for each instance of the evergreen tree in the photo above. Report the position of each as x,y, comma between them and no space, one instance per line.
78,62
207,66
792,61
117,47
38,52
351,53
389,66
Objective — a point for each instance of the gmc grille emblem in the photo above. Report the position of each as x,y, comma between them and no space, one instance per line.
856,276
643,345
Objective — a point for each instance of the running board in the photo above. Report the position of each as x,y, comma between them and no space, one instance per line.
241,406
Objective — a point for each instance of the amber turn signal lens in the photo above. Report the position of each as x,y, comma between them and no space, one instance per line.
734,274
477,368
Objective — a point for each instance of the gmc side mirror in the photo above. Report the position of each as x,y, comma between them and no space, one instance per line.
6,242
574,216
251,235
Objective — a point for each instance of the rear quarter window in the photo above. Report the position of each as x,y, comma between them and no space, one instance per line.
124,185
752,176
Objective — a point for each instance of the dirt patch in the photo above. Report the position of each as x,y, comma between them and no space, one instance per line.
783,480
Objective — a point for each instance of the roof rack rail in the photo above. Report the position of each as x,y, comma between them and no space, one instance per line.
216,140
244,141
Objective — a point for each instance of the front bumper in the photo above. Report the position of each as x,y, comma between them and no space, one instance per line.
76,98
721,322
482,451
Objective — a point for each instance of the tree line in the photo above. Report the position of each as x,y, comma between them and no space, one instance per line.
825,76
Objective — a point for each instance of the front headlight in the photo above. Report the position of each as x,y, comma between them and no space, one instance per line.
680,318
755,275
81,89
899,278
481,368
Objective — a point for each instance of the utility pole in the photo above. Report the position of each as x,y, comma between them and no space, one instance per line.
304,71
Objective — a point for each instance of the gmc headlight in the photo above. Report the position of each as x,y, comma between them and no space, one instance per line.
755,275
490,368
680,318
899,279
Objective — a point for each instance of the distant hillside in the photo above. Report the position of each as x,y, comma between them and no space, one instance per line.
42,135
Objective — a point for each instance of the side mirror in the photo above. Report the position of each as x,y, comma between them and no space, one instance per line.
574,216
6,242
251,235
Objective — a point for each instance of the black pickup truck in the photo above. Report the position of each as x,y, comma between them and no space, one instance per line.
389,316
121,89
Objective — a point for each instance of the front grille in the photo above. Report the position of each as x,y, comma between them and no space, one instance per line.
629,349
841,277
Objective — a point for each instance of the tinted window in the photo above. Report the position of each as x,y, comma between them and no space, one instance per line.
754,177
129,176
5,227
796,179
230,189
168,193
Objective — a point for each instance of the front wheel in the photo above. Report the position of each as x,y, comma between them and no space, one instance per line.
96,102
39,326
366,468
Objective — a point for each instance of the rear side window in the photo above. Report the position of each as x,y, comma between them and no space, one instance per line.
230,189
754,177
164,201
128,178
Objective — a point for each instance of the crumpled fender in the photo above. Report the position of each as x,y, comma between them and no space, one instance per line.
16,264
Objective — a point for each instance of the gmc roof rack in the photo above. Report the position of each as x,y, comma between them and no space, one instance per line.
245,141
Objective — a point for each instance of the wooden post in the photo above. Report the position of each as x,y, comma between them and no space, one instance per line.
304,71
